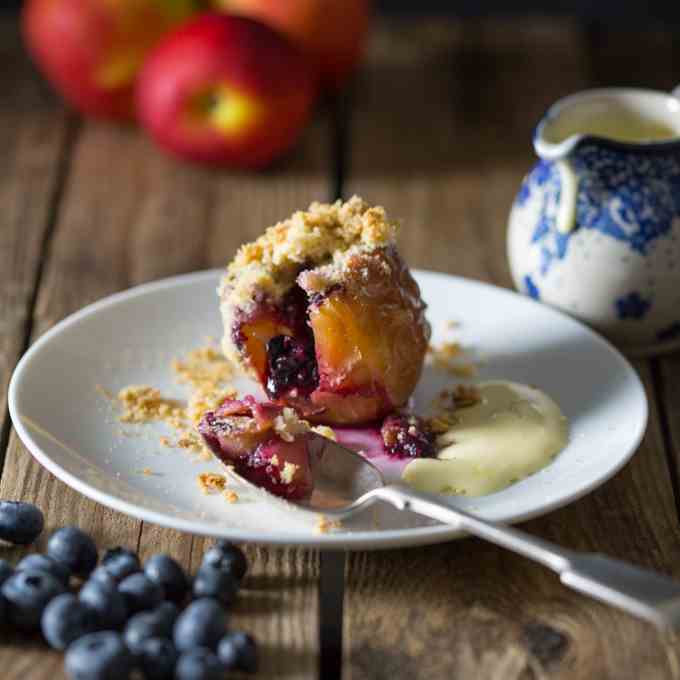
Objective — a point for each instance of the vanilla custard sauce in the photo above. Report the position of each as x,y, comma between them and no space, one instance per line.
512,432
613,121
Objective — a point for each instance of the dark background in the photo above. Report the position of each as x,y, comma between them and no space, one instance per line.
611,11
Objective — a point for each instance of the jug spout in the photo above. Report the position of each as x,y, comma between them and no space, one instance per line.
627,117
548,149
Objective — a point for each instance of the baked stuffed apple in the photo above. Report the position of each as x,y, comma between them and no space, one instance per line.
324,313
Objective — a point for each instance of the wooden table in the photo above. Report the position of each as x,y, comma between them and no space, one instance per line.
438,131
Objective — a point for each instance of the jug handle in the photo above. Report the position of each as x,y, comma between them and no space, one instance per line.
675,92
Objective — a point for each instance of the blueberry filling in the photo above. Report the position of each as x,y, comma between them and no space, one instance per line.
407,437
291,359
291,364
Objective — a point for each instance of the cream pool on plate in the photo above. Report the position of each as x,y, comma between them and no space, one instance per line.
511,432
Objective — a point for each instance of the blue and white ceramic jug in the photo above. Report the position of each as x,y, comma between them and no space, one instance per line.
595,227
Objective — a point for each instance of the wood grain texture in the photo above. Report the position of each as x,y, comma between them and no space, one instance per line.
129,215
442,140
33,142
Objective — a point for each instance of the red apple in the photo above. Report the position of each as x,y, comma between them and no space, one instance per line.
226,90
91,50
333,31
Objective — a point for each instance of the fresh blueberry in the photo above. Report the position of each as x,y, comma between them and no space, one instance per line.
27,594
121,562
164,571
214,582
20,523
39,562
6,571
105,600
157,658
99,656
103,576
199,663
66,619
140,592
201,624
238,652
228,557
168,612
157,623
74,548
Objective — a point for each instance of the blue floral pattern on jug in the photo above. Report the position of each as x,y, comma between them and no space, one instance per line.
531,288
628,196
632,306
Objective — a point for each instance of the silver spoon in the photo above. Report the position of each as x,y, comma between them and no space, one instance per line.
346,483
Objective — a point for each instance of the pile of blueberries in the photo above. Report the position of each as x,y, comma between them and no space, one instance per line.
126,617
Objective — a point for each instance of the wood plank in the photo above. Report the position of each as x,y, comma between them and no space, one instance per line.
33,139
129,215
468,609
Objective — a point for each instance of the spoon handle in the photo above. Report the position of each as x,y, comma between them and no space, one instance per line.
641,592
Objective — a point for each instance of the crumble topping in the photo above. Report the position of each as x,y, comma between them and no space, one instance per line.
230,495
314,235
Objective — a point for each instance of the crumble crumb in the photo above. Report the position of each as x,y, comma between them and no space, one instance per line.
288,472
210,482
165,441
466,395
231,496
325,525
450,356
288,425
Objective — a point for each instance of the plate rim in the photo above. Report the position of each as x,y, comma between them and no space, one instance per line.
360,540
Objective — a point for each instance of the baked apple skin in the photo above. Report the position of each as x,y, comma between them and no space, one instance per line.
244,434
349,352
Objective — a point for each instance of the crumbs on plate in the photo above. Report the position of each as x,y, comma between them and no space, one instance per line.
211,482
450,356
206,372
325,525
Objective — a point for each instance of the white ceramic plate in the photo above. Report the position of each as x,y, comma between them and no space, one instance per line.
131,337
